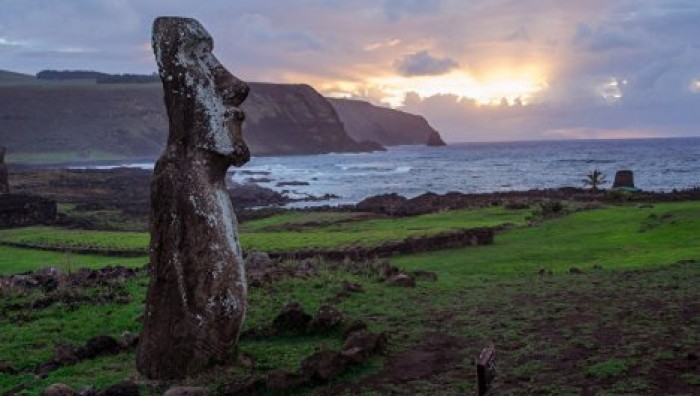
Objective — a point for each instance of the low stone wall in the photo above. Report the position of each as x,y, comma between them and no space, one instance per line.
19,210
445,240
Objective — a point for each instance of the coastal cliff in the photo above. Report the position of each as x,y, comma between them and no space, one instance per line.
65,121
389,127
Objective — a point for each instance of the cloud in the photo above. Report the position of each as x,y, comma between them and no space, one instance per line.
395,9
572,48
421,63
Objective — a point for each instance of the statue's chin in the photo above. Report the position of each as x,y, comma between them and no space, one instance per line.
240,155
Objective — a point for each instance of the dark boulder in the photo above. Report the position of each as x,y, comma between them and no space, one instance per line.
292,319
327,318
126,388
58,390
323,365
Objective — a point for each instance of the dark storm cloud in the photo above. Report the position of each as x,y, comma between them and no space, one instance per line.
422,63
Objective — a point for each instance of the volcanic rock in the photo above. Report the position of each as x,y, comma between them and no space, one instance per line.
186,391
360,345
292,319
196,298
282,380
98,346
125,388
327,318
402,280
323,365
58,390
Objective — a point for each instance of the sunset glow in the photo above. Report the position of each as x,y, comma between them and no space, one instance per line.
488,90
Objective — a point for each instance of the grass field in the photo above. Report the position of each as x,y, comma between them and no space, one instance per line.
310,230
626,327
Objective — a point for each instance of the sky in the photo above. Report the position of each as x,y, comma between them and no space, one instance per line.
478,70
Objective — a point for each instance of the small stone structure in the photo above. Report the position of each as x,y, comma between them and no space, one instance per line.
4,183
624,179
196,298
21,210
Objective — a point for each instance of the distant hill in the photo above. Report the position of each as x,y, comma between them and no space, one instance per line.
80,120
86,121
12,77
389,127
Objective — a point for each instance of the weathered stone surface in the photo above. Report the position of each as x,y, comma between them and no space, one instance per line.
196,299
323,365
624,179
4,183
58,390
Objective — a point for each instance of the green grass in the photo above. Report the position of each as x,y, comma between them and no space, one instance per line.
52,236
254,236
16,260
547,329
614,238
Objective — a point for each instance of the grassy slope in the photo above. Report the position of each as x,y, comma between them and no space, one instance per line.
255,237
484,293
620,237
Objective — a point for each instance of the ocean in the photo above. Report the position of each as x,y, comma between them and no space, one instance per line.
658,165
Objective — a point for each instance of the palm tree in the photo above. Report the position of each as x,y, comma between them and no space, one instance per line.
594,179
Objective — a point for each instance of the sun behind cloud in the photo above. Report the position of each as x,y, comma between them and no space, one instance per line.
486,89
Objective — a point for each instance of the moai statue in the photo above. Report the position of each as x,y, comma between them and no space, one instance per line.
624,179
196,298
4,183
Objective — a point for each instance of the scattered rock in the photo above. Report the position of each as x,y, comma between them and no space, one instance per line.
425,275
402,280
58,390
99,345
323,365
385,270
692,356
66,354
307,268
361,344
355,326
87,391
186,391
292,319
128,340
6,368
126,388
250,386
257,259
575,271
327,318
282,380
352,287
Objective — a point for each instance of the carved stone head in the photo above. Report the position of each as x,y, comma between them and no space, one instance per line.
202,97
